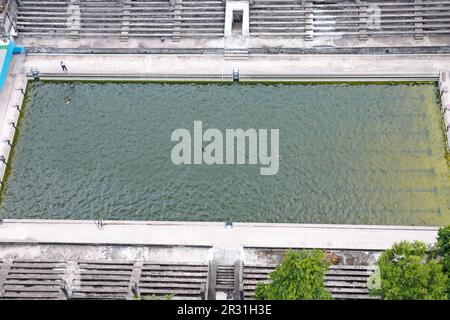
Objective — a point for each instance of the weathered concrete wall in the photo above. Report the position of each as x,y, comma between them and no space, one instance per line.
444,86
72,252
219,50
255,256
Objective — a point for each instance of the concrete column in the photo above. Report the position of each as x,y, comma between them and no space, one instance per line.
4,26
418,21
125,26
135,278
362,8
212,280
73,19
4,269
177,4
238,280
246,21
71,279
309,19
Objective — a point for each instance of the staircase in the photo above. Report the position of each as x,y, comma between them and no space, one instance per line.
225,279
119,280
236,54
206,18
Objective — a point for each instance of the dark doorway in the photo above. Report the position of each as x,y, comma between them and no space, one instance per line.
236,27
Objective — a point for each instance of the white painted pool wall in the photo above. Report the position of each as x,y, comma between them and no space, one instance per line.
444,89
9,124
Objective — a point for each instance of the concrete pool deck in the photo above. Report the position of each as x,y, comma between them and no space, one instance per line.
211,234
11,98
302,67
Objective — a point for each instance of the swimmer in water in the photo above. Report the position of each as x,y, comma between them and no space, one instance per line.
67,99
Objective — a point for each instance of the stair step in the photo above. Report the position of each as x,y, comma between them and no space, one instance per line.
235,54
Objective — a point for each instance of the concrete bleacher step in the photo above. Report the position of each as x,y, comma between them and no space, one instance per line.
197,18
330,18
26,279
42,17
202,18
31,280
183,281
150,19
101,280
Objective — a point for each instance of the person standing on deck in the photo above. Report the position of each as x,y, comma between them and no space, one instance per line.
63,66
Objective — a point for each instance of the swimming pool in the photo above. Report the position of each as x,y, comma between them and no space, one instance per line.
364,154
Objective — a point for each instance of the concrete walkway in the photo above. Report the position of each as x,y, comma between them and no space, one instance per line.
10,98
324,67
257,235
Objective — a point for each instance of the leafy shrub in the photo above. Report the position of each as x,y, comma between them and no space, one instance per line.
300,276
407,273
442,252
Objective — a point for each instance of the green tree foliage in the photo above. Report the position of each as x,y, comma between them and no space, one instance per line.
442,252
300,276
407,273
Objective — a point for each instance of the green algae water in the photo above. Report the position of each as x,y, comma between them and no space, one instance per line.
356,154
